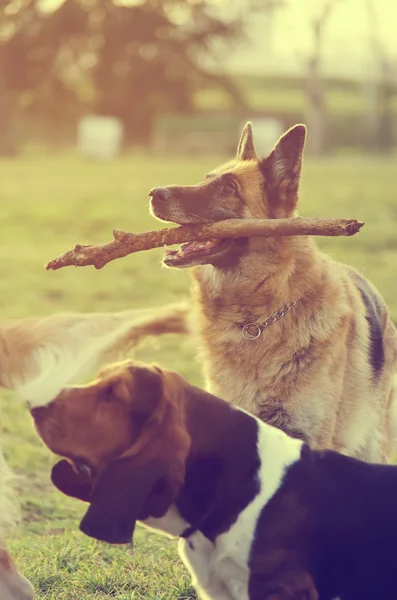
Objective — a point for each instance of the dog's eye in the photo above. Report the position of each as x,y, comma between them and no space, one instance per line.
84,469
228,189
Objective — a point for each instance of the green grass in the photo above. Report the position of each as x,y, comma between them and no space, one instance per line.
50,203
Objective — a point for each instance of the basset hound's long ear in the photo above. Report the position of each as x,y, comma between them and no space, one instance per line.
146,481
69,482
124,494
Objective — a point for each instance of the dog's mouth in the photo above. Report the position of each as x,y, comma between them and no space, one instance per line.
190,254
197,253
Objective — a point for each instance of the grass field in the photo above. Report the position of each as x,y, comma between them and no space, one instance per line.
50,203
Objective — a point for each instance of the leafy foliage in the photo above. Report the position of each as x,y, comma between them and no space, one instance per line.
130,60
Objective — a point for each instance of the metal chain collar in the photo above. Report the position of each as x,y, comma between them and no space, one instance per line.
251,330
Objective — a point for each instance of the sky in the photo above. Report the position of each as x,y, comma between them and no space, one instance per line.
283,43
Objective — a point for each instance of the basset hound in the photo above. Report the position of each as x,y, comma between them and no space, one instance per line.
260,516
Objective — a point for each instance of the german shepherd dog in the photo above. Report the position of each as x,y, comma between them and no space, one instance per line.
300,340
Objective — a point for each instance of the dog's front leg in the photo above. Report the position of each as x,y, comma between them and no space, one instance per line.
197,555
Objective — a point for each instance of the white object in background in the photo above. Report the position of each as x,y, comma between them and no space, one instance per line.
99,137
266,133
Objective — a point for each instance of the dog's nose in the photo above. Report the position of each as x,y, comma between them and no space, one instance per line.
161,194
38,412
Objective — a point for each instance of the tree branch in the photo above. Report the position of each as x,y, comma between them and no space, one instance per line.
128,243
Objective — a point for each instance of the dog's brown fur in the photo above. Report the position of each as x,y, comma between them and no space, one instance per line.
130,409
323,372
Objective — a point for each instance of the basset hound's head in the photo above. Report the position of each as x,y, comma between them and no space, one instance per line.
125,443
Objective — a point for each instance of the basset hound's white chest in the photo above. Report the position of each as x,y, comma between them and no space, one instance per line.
220,570
217,571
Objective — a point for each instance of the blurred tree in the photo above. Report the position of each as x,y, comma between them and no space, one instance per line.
149,60
7,137
316,110
382,82
38,48
129,59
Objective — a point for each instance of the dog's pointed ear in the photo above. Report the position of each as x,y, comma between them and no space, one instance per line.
282,170
124,494
69,482
246,149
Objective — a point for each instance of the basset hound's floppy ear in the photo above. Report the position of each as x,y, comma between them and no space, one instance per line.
147,479
124,494
69,482
133,380
148,388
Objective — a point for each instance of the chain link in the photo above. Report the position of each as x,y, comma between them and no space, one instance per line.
251,330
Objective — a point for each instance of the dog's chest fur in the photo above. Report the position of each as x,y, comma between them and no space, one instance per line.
310,373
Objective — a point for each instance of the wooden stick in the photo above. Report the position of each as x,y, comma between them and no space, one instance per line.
128,243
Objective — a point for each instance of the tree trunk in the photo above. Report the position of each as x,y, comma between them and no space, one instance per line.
316,112
7,137
385,119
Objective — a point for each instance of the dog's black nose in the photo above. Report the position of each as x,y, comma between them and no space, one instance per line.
39,412
161,194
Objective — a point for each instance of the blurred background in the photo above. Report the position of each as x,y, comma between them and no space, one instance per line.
102,100
181,75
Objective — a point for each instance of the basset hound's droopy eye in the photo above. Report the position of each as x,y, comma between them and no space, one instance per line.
84,469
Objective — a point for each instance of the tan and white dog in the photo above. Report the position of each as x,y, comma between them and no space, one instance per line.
302,341
40,355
